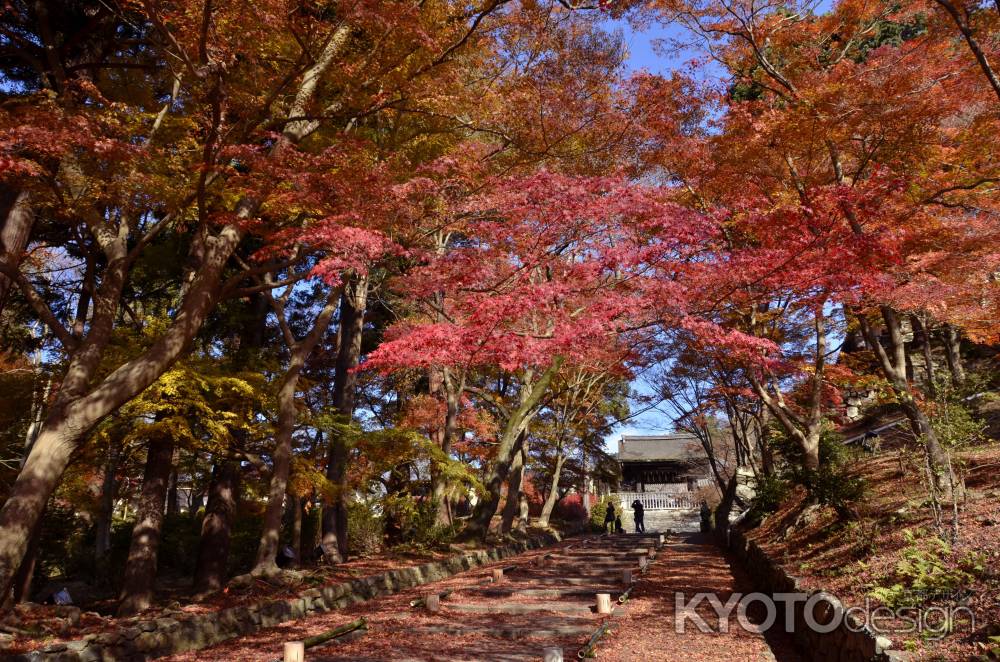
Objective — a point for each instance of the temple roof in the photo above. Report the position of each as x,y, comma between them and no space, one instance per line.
679,446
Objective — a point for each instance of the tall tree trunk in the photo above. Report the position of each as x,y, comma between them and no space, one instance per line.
553,495
443,383
213,549
26,573
764,443
105,514
515,479
804,429
517,422
173,503
296,505
79,407
523,512
352,321
18,218
140,568
953,354
267,550
725,506
921,331
893,362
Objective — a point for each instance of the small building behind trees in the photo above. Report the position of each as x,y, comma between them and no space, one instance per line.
673,463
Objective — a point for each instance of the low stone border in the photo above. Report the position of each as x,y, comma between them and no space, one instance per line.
843,644
158,637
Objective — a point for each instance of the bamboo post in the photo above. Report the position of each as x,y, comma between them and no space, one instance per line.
359,625
552,654
588,650
643,562
662,539
295,651
432,601
604,603
422,602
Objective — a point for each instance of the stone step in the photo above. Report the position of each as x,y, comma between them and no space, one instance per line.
571,628
575,609
634,547
576,581
577,591
604,553
615,553
532,656
610,573
587,563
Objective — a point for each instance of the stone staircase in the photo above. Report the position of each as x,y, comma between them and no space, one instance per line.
659,521
548,600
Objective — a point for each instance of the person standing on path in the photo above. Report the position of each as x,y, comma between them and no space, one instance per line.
637,508
609,519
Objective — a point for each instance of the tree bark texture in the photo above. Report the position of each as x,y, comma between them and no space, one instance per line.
517,422
140,568
352,319
213,549
553,496
267,550
515,479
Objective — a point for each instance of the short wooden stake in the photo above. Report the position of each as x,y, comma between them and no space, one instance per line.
662,539
643,562
433,602
627,576
603,603
552,654
497,575
295,651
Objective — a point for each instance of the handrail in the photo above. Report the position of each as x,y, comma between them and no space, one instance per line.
657,500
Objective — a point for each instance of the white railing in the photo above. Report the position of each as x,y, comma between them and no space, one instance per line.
667,488
656,500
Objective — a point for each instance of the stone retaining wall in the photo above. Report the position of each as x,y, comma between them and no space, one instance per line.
856,643
158,637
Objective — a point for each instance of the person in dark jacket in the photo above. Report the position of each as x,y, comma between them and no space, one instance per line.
609,519
637,508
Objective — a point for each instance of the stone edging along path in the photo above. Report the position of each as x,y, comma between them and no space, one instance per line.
843,644
158,637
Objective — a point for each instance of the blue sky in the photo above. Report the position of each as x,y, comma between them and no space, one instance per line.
643,52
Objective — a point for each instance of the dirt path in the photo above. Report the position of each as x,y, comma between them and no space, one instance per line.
689,564
548,599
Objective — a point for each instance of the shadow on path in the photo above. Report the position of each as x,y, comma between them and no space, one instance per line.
690,564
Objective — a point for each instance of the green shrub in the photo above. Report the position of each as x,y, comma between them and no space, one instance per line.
365,529
244,539
178,549
926,572
833,484
599,509
770,491
953,419
65,546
